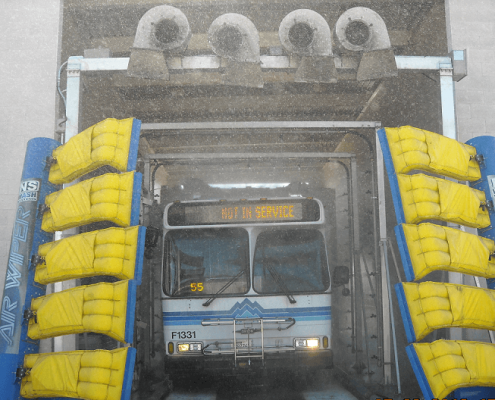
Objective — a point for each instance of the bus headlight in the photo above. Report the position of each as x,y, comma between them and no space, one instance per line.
312,343
186,347
183,347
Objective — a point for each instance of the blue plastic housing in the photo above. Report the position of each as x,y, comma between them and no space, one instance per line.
475,392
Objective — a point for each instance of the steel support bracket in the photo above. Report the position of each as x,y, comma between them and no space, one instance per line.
42,209
28,314
74,67
36,260
459,63
21,373
446,70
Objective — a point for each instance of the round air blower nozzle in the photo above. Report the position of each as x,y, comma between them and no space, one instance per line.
361,29
235,38
306,33
163,30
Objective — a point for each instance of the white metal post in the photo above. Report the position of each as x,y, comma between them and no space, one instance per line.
449,130
73,93
68,342
387,353
448,100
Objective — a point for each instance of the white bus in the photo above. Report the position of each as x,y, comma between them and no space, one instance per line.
246,286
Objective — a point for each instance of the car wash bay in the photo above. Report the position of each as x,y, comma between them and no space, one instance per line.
196,123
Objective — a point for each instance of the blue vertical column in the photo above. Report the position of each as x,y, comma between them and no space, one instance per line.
19,286
485,151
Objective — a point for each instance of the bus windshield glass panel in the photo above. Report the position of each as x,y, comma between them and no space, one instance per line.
245,211
290,261
202,262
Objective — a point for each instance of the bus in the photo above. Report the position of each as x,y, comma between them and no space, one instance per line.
246,286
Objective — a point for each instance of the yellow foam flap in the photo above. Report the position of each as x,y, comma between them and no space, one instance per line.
449,365
104,198
99,308
417,149
425,197
433,247
106,143
435,305
91,375
109,251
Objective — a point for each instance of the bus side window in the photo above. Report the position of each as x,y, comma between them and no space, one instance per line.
171,258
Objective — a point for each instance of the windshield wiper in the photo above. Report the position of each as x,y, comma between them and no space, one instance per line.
224,288
280,283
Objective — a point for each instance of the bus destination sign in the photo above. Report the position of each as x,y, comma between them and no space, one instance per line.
246,211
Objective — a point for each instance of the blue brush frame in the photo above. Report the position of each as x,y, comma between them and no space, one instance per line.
404,311
419,372
138,268
392,176
485,145
133,148
130,311
404,253
136,198
128,374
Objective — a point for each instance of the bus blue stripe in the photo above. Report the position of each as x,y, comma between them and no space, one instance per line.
247,309
248,304
278,311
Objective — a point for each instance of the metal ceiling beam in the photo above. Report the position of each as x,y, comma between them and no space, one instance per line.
244,156
203,126
267,62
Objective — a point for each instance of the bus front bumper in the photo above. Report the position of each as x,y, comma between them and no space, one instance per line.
225,364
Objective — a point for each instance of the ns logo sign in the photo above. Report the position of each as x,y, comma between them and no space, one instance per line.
29,189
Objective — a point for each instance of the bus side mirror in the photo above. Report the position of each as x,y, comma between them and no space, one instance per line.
340,276
151,240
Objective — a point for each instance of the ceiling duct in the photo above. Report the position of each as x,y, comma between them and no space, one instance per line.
306,33
163,30
361,29
235,38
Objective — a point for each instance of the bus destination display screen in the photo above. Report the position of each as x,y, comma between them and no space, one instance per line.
245,211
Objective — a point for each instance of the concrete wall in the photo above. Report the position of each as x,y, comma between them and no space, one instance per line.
471,26
29,48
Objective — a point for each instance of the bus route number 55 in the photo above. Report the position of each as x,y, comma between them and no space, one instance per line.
197,287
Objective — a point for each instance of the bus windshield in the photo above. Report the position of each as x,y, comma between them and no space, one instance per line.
290,261
201,262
